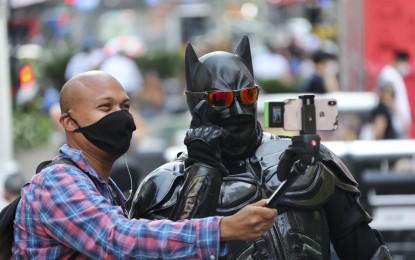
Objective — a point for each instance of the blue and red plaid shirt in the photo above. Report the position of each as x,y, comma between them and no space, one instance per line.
63,211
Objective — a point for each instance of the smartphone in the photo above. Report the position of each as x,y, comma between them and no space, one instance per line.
287,114
282,189
277,195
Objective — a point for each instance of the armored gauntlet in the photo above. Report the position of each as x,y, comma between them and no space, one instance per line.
204,169
204,140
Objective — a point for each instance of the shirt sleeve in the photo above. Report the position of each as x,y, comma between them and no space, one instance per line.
73,212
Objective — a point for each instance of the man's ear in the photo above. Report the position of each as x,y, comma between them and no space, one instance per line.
67,123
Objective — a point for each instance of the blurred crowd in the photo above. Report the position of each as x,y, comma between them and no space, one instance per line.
298,59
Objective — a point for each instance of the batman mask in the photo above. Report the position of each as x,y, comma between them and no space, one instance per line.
224,71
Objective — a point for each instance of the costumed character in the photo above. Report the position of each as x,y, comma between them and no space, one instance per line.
230,162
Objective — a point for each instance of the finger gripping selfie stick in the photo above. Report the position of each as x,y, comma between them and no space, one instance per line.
303,151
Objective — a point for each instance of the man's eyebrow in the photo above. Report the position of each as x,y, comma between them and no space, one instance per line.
106,98
99,101
109,99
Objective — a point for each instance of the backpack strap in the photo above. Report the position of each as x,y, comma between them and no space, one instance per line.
43,165
47,163
7,216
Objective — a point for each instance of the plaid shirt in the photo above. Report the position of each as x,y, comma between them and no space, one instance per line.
62,211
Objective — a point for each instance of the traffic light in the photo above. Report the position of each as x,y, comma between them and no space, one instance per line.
27,77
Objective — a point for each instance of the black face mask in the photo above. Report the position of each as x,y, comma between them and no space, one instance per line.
112,133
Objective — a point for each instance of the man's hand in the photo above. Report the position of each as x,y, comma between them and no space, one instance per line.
204,139
250,223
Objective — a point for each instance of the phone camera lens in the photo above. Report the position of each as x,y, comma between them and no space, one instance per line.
332,103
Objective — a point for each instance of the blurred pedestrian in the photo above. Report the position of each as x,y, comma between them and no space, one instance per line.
381,116
50,106
270,64
395,72
152,99
87,59
12,186
123,67
324,78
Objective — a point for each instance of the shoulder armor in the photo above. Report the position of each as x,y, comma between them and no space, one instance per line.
266,158
157,190
337,166
331,160
382,253
312,188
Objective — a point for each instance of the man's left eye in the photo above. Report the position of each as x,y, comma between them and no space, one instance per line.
104,106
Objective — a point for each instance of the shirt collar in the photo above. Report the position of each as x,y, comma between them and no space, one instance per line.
77,157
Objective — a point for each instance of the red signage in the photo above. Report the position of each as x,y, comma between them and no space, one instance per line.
389,25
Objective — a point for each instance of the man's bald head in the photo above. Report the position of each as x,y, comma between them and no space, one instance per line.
95,117
82,85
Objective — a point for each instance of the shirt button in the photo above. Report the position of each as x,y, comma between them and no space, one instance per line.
212,257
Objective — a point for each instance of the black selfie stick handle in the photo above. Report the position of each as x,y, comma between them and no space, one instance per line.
277,196
306,146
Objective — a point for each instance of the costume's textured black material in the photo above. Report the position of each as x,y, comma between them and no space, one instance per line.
321,207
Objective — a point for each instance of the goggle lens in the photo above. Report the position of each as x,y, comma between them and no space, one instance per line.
248,96
220,98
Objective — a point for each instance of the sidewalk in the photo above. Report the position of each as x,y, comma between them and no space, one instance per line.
28,160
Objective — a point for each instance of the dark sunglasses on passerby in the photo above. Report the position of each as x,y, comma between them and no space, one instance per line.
223,99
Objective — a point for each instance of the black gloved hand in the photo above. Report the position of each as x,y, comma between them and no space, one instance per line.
304,150
204,140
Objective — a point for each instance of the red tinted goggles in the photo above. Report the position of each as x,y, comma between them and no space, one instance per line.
222,99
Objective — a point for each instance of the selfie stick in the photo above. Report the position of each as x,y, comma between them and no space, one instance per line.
305,147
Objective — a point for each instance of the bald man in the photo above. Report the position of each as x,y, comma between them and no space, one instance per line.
76,211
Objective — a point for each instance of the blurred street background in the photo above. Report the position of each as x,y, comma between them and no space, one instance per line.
43,43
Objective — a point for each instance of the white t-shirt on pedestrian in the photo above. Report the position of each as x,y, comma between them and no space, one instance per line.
403,118
126,71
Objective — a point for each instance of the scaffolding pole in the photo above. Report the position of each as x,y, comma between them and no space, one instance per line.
7,163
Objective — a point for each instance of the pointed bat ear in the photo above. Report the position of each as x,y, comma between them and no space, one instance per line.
191,64
244,51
